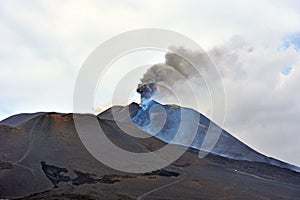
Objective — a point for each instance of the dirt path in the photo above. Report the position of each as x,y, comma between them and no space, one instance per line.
255,176
30,140
162,187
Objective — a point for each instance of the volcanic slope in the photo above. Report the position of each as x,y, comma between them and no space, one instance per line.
163,122
43,158
19,118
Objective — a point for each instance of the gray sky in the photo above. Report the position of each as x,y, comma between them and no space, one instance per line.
44,43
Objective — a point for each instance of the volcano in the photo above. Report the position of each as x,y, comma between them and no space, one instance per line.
150,118
42,157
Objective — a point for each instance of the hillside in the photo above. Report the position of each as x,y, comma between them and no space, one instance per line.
43,158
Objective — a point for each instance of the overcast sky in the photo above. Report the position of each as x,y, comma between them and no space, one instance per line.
257,47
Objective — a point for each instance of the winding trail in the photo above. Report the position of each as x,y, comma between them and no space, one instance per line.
30,140
162,187
28,148
257,177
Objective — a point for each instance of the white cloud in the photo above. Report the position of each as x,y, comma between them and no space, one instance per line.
262,104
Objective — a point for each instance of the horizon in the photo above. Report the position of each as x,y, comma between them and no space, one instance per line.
96,114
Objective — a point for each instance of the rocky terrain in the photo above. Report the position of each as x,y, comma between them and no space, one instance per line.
42,157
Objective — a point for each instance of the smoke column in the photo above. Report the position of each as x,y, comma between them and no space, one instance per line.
162,81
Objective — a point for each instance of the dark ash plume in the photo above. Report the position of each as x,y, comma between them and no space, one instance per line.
146,90
174,71
173,77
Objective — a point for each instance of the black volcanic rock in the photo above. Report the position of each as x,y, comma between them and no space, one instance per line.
55,174
162,173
